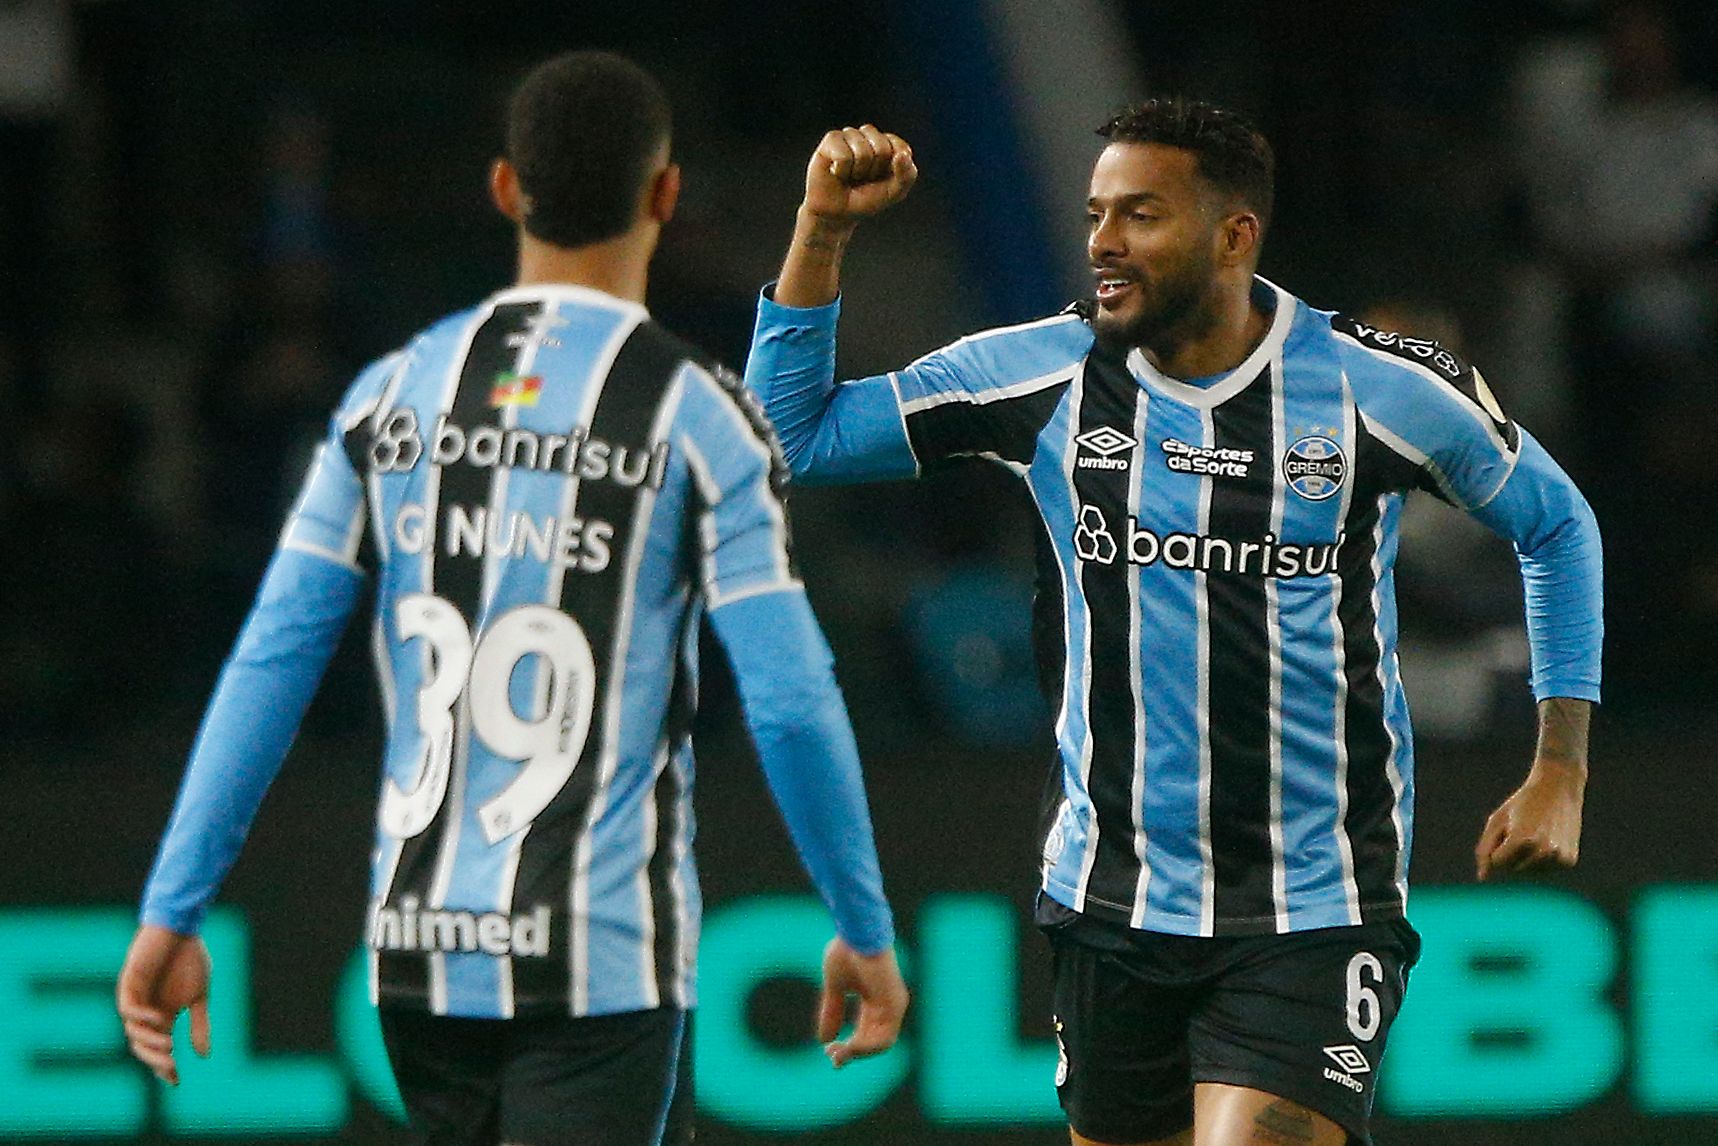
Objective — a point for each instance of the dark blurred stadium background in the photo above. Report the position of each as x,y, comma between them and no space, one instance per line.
212,212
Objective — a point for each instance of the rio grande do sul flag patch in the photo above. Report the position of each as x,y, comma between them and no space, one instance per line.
512,389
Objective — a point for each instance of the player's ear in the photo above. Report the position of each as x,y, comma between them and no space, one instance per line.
504,191
663,194
1238,238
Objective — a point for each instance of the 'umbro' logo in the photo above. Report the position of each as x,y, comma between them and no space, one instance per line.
1350,1058
1105,442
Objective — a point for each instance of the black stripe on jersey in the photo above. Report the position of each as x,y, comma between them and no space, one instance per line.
1007,428
625,410
669,793
1050,652
1371,799
458,580
1238,713
1109,397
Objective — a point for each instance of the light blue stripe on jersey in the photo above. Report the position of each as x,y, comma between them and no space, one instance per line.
986,365
1317,864
477,874
1169,663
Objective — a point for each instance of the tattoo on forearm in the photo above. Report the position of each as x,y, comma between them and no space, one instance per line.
1563,724
1282,1124
816,242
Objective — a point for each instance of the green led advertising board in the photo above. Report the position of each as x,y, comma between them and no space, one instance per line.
1510,1014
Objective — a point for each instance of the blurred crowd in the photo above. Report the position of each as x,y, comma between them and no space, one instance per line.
212,214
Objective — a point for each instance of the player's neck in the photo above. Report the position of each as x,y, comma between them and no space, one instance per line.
619,266
1213,340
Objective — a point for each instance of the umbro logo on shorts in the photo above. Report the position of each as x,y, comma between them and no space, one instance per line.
1352,1061
1350,1058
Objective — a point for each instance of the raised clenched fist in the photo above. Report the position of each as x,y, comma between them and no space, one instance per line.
856,172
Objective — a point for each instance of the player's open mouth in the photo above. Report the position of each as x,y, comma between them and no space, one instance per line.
1112,287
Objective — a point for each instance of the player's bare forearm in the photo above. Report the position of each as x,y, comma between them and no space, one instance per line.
854,173
811,273
1539,825
1563,725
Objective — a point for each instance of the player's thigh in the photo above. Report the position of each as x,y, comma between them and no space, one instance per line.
1123,1076
1305,1018
605,1080
1226,1115
449,1074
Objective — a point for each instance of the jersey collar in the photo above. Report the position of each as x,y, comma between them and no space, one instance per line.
569,292
1227,385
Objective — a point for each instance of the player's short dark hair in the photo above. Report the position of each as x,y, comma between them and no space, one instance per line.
582,131
1233,154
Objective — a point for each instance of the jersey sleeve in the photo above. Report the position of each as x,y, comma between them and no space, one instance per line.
1557,542
985,396
783,669
1433,409
784,673
307,595
737,474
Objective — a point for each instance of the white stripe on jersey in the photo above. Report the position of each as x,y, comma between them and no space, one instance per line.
347,554
983,335
1411,454
717,600
1274,641
1136,672
315,550
984,397
686,953
1202,708
894,377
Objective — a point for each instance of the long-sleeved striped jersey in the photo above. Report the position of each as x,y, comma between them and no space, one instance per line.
1218,554
549,491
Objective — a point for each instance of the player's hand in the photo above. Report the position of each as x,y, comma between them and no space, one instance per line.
1539,825
876,979
164,973
856,172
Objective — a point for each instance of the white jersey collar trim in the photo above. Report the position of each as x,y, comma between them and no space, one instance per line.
569,292
1234,381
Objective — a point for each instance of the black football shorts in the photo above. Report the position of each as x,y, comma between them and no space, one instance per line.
1142,1017
606,1080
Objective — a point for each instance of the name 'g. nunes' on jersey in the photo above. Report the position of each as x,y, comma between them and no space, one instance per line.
549,490
1234,744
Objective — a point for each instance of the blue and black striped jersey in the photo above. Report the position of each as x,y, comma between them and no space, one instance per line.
549,491
1218,559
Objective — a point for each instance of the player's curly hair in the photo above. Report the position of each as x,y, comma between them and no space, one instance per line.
1233,155
582,131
